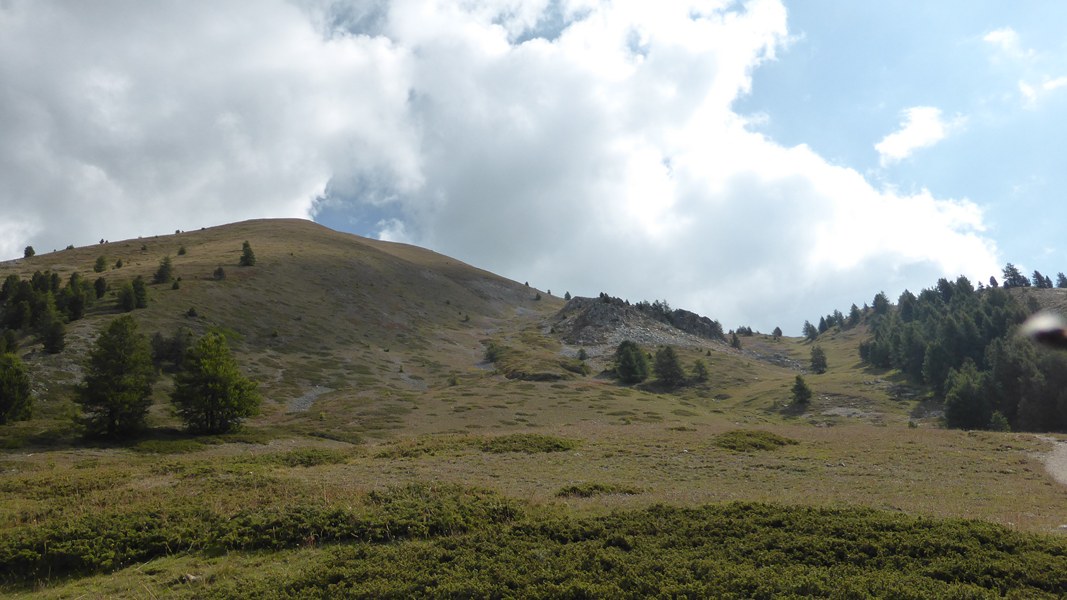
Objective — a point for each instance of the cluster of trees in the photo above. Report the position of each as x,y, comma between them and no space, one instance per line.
42,305
209,392
836,319
1013,277
633,365
959,341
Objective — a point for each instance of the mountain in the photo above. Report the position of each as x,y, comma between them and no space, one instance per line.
415,404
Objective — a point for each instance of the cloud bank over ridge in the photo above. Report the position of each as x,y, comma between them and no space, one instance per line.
582,146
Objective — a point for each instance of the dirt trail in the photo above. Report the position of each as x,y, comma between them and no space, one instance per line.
1056,460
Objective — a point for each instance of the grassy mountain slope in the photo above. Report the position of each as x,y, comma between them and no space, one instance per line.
370,357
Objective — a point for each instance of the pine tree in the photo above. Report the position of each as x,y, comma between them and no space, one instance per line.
818,359
116,393
801,392
667,367
631,365
777,333
101,264
1061,280
700,371
810,332
210,393
165,272
248,258
28,252
140,292
15,398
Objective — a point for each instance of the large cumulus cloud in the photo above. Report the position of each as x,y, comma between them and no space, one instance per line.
581,145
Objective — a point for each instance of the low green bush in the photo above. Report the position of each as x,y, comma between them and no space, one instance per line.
748,440
530,443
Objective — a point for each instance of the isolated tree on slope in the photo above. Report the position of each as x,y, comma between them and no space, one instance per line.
668,368
801,392
210,393
818,359
631,365
115,395
248,258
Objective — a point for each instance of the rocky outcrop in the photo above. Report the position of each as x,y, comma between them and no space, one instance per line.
608,320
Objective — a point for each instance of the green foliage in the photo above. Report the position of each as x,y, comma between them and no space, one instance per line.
423,541
777,333
631,364
967,403
126,299
735,342
100,287
588,490
181,250
28,252
1013,277
165,272
169,352
749,440
932,336
810,331
529,443
140,292
100,265
801,392
668,368
210,393
219,274
115,394
53,334
15,397
818,359
248,258
700,371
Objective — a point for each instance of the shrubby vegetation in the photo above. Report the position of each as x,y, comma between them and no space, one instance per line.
631,365
449,541
748,440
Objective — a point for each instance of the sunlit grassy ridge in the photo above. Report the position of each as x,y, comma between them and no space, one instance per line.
371,358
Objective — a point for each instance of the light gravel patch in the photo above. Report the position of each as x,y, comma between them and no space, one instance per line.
303,403
1056,460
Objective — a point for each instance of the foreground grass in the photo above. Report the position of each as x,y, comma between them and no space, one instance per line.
420,540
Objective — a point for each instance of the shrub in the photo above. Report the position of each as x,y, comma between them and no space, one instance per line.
529,443
748,440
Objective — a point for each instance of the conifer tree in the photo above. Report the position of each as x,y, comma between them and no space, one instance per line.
668,368
15,398
165,272
818,359
631,365
115,395
210,393
248,258
140,292
101,264
801,392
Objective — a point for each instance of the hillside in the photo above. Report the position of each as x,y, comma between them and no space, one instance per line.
379,404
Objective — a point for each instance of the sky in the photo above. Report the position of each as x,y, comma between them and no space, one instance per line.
761,162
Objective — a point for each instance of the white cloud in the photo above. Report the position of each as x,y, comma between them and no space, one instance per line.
1006,40
922,127
603,157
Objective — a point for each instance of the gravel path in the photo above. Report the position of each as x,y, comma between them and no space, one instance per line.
1056,460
